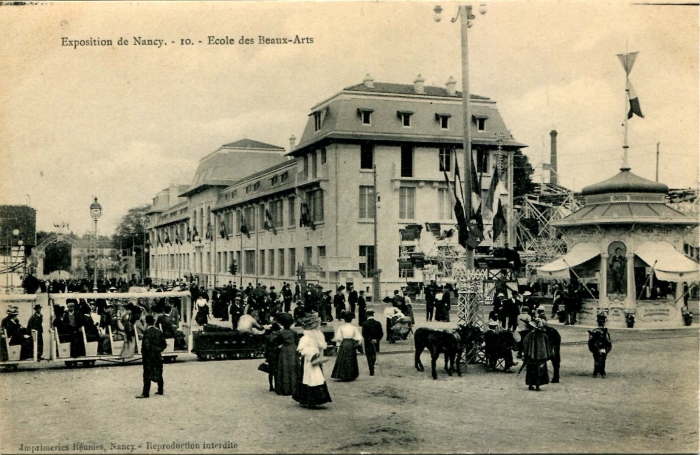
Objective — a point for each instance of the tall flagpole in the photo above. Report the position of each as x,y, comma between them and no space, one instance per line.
466,16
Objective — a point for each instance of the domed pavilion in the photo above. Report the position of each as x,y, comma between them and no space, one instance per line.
625,245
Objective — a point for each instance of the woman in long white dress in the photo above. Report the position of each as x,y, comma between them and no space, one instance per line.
312,391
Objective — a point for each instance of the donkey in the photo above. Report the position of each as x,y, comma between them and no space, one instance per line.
451,343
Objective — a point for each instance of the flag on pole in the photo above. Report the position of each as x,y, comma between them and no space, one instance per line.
244,226
189,235
459,214
635,108
499,221
269,223
492,196
627,61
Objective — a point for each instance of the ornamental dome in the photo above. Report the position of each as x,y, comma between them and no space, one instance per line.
625,182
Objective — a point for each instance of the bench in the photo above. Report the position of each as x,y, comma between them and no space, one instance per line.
91,347
117,345
62,349
13,352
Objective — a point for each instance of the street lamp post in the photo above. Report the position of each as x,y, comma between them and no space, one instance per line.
95,213
465,14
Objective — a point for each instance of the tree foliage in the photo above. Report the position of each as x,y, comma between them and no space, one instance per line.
522,173
130,234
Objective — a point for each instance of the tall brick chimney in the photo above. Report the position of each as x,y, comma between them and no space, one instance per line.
553,158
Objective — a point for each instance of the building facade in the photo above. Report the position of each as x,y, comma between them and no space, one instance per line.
313,211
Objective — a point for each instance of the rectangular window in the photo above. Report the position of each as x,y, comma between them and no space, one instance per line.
238,221
261,216
407,202
444,204
250,218
306,166
481,124
482,160
366,117
366,202
250,262
323,155
321,252
366,259
262,262
225,263
271,260
366,156
292,261
405,119
315,202
444,122
276,212
445,160
405,269
218,262
308,255
291,209
314,165
280,261
406,161
317,121
238,262
208,261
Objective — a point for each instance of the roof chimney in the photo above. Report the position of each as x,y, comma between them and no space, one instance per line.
419,84
292,142
553,158
368,81
451,86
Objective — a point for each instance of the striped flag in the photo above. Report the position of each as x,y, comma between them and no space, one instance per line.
627,61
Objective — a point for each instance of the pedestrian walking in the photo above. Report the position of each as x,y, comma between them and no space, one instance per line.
349,338
362,308
312,391
536,351
288,363
152,351
372,333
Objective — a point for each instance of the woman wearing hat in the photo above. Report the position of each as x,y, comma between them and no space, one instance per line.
349,337
288,361
312,391
536,351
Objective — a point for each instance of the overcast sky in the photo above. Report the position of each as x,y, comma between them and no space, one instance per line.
123,122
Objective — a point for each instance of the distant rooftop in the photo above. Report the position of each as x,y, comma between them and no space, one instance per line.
251,144
408,89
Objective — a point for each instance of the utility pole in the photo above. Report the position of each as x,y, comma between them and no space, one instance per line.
657,161
376,272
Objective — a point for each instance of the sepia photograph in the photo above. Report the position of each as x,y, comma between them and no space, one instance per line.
254,227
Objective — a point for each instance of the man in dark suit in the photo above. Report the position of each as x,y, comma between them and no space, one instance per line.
372,333
152,351
352,299
36,322
361,308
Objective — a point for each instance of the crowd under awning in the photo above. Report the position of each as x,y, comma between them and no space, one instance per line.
667,262
580,253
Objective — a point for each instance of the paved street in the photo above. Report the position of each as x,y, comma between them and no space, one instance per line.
648,403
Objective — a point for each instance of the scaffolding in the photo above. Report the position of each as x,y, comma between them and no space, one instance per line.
533,225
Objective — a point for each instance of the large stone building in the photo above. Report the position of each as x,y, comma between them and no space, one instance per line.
315,207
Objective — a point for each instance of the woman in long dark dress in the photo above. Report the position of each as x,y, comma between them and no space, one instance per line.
272,354
312,391
348,336
288,359
536,351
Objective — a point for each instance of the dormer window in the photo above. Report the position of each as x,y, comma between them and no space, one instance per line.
443,120
405,117
365,115
273,180
480,121
256,186
284,177
319,116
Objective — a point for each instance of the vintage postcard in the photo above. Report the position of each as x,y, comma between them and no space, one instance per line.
291,178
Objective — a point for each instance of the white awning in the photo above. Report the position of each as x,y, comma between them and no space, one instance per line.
668,263
580,253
